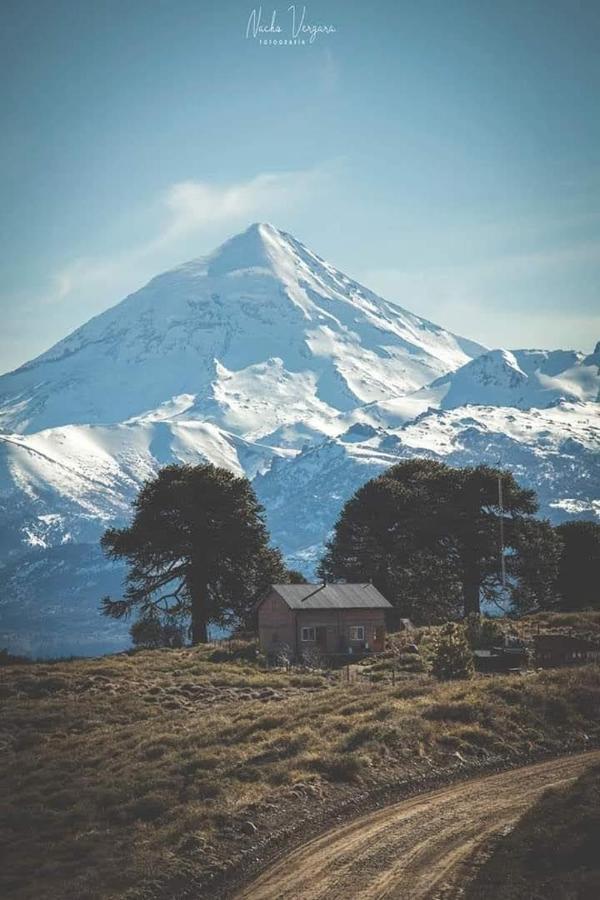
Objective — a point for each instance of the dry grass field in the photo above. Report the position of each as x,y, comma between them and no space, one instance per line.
146,775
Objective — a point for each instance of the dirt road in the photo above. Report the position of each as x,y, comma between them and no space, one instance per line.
420,848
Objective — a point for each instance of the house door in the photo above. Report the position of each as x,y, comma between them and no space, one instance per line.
321,637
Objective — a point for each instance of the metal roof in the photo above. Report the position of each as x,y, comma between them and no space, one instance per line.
331,596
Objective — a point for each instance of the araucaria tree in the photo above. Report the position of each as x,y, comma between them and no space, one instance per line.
428,536
198,546
579,568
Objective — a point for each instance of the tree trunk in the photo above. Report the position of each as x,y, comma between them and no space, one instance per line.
197,589
471,595
199,629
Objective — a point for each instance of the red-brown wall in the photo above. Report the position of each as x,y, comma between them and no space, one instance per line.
338,623
278,624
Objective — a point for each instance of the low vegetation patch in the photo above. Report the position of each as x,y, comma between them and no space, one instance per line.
146,775
580,624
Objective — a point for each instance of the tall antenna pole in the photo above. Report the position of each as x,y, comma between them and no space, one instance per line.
501,505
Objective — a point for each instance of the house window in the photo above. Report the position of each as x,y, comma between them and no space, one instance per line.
357,632
308,633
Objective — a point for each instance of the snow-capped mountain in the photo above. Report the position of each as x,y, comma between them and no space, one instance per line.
265,359
65,483
524,379
521,378
555,451
259,337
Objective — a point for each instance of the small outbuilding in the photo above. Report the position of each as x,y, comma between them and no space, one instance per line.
327,618
564,650
501,659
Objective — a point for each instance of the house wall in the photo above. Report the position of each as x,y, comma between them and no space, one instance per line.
337,623
276,624
279,625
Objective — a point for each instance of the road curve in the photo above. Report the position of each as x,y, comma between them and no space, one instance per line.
425,847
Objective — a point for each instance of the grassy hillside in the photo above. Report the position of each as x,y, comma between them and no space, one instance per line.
144,775
581,624
552,854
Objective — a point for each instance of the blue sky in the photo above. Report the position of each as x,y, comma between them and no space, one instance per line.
447,154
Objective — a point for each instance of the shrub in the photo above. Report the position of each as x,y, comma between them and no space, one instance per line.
312,658
235,649
483,633
307,681
281,654
360,735
449,654
149,632
342,766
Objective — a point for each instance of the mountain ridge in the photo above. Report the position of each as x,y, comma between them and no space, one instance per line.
180,332
276,366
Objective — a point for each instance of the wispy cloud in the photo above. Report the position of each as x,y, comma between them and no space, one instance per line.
194,205
190,218
83,271
188,210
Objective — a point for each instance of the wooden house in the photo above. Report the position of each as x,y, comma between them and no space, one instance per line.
300,619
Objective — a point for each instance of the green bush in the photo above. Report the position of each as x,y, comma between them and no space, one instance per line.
449,653
360,735
483,633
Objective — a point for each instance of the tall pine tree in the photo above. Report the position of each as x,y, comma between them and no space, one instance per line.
197,546
578,579
428,536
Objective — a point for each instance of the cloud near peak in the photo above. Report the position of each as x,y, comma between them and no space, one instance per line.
196,204
188,209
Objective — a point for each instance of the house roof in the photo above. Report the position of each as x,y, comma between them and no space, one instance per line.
331,596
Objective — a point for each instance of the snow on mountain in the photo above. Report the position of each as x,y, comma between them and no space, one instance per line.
260,335
59,490
521,378
61,515
66,484
524,379
265,359
556,451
